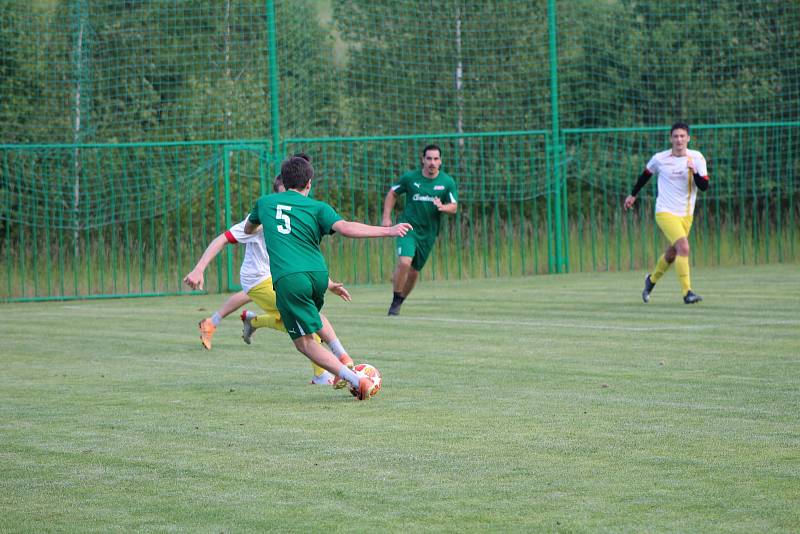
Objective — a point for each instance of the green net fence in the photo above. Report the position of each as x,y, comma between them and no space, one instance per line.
133,132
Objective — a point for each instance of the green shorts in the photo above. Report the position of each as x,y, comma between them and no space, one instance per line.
300,297
414,247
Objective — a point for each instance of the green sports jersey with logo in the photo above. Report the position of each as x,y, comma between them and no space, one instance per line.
420,192
293,228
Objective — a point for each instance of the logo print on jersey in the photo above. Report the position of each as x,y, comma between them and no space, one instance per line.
416,184
438,188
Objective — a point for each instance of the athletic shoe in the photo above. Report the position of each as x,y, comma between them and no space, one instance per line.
648,287
207,330
364,387
340,383
247,328
394,309
325,378
691,298
346,360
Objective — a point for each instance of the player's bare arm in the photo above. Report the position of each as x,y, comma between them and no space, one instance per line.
358,230
195,278
450,208
337,288
388,206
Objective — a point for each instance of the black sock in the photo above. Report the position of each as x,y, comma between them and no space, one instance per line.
398,299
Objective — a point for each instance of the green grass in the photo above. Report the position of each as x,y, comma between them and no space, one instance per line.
549,403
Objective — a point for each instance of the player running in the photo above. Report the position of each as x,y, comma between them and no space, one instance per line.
429,193
681,172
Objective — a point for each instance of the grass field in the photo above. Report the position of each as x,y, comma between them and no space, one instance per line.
551,403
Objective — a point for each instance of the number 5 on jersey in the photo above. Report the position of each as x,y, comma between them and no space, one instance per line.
286,227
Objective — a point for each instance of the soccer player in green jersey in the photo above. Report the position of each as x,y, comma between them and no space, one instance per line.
293,226
429,193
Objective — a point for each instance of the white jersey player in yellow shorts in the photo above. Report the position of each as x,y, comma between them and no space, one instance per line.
681,172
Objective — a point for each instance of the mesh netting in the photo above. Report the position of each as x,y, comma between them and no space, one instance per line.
151,111
112,71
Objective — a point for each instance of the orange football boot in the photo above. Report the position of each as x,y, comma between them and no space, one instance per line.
207,330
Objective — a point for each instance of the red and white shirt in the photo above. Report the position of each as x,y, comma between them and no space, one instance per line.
676,188
255,265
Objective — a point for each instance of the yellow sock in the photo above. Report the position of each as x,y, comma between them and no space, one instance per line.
682,267
316,368
267,320
661,267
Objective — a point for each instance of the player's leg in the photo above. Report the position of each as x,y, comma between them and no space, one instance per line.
209,325
663,263
399,281
672,229
411,282
263,294
325,359
300,296
328,335
682,263
421,253
406,247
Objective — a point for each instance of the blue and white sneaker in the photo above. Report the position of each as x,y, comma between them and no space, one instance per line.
691,298
648,287
325,378
247,328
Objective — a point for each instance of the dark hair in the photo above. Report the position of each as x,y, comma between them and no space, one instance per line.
296,172
431,147
279,179
679,126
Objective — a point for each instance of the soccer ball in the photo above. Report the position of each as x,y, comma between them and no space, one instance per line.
367,370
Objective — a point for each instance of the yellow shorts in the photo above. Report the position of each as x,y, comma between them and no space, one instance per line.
674,227
264,296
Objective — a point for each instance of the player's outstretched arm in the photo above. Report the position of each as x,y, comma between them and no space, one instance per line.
195,277
359,230
338,288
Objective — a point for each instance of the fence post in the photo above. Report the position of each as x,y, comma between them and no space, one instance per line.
559,191
274,86
226,166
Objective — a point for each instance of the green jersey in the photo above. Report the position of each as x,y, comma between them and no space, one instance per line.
293,228
420,210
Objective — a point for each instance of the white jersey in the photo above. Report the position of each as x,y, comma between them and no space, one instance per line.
676,188
255,266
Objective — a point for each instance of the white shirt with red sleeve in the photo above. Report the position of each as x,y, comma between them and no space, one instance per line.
255,265
676,188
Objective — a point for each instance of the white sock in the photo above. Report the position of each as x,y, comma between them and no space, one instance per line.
336,347
325,377
347,374
216,318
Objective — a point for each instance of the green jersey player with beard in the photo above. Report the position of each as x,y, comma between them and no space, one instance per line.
429,193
